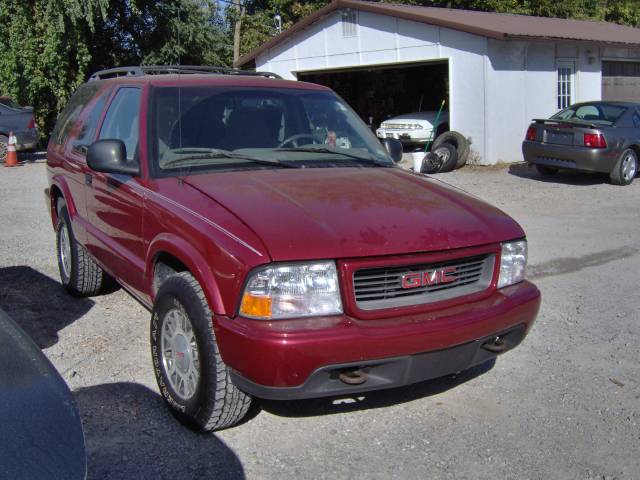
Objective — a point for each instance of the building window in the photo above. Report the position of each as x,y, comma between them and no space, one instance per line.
349,23
565,84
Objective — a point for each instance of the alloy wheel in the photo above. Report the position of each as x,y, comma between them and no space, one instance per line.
629,166
64,250
180,357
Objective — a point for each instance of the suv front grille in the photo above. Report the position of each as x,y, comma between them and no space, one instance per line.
378,288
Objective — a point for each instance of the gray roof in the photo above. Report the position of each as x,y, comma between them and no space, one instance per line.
501,26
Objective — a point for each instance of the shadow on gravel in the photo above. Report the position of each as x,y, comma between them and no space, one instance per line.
130,433
40,305
371,400
568,177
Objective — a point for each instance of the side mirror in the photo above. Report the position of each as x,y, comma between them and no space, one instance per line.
394,148
110,156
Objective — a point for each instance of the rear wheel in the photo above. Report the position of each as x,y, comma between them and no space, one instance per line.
192,378
79,272
544,170
626,168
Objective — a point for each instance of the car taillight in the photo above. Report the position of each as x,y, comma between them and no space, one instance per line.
32,124
532,133
594,140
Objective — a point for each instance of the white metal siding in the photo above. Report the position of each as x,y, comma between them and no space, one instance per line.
495,87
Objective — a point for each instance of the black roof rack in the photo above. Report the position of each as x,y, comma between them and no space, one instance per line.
137,71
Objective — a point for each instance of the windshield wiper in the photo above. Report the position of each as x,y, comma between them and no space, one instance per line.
226,154
367,159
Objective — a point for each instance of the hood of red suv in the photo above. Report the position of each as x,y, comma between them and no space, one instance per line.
316,213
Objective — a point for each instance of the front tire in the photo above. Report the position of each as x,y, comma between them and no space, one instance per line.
626,168
192,377
79,272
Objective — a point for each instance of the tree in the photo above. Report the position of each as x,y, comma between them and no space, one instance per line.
51,46
45,51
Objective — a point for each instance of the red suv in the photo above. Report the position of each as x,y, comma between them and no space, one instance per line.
282,252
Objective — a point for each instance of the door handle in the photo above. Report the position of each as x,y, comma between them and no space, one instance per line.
88,179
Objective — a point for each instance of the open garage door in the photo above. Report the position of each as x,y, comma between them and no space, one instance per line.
621,81
380,92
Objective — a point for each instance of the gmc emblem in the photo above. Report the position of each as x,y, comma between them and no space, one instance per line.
429,277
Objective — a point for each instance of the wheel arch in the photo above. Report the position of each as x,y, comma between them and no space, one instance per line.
636,149
179,255
59,189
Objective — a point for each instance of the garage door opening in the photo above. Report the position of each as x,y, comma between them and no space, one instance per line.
379,93
621,81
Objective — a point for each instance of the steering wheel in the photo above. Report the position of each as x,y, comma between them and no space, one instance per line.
293,139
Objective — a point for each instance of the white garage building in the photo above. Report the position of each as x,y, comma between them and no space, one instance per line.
498,71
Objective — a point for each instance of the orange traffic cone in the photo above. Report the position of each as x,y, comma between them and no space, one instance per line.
12,157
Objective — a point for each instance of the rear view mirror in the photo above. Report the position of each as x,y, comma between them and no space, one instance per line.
110,156
394,148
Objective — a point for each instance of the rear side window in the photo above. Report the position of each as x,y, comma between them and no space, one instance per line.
71,113
89,126
121,121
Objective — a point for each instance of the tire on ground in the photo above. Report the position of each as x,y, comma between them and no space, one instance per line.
448,156
458,141
84,277
216,402
625,169
431,163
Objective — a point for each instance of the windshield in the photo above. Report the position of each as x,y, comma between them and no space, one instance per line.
208,128
596,113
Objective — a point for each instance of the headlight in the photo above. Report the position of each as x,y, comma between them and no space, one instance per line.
292,290
417,126
513,261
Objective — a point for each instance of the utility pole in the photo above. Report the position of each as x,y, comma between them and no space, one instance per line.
236,30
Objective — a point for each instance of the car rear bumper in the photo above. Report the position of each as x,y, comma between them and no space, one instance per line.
26,140
571,157
303,358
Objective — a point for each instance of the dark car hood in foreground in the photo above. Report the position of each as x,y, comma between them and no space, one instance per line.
41,434
351,212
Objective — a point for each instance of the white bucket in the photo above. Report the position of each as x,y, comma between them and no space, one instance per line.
417,160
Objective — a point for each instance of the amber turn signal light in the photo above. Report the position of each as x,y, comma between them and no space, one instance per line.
255,306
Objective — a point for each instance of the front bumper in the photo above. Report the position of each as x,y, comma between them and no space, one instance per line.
571,157
413,137
26,139
300,358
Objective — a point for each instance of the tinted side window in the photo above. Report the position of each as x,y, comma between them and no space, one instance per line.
121,121
72,111
636,119
89,127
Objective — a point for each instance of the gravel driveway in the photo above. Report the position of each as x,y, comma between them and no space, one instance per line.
565,404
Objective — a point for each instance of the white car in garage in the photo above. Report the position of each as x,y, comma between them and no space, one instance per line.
415,128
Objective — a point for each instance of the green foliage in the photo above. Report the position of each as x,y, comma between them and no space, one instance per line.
51,46
45,51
